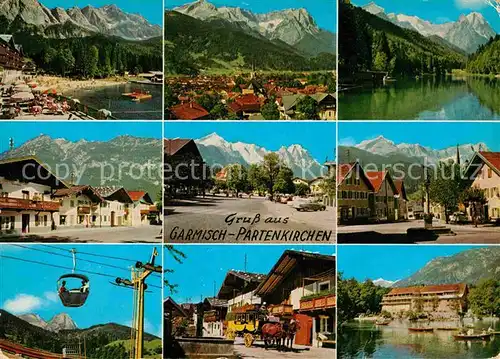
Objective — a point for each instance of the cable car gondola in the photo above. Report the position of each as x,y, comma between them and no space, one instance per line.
75,297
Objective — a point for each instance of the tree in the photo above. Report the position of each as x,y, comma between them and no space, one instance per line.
474,198
49,57
90,60
65,61
380,63
284,181
219,111
236,178
484,299
270,111
329,186
302,189
170,98
447,187
256,178
270,170
177,256
207,101
307,108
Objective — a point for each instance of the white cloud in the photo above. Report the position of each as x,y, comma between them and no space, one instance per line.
471,4
347,141
51,296
22,304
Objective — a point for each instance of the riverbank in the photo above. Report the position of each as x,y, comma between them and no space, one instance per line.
64,84
464,73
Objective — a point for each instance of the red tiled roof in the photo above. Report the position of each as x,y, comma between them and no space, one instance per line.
460,288
344,169
248,102
77,190
493,158
136,195
171,147
376,178
188,111
399,183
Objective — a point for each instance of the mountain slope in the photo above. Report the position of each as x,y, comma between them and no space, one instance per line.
467,33
485,60
90,158
34,319
216,150
468,266
291,26
193,45
75,22
371,42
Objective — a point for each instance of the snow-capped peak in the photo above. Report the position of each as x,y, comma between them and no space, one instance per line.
374,8
385,283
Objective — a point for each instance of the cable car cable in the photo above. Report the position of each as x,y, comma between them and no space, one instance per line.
97,255
67,268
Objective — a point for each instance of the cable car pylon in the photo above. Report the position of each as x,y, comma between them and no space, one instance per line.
138,282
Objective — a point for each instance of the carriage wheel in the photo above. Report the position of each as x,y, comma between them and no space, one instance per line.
230,334
249,339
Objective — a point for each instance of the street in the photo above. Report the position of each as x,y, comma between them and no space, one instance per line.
243,218
143,234
258,351
396,233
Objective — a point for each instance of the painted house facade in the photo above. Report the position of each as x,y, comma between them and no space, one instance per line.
26,204
214,315
115,208
484,169
442,301
355,194
386,206
301,285
140,208
80,207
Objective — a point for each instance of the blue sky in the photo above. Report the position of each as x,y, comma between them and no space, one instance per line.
196,275
316,137
323,11
75,131
152,10
437,135
438,11
31,288
389,262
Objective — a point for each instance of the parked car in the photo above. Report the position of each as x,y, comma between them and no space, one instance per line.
309,206
458,217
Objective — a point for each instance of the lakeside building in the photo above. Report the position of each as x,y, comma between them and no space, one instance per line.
484,170
302,285
441,301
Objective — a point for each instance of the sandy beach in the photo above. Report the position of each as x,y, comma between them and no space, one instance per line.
63,84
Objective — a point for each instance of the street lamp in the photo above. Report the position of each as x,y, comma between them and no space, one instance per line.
427,184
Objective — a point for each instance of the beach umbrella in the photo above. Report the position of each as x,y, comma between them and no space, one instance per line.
50,92
32,84
104,113
22,88
22,96
18,83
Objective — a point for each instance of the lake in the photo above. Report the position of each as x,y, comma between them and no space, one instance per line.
111,98
430,98
366,340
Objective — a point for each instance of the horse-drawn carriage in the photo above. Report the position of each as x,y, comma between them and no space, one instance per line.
253,322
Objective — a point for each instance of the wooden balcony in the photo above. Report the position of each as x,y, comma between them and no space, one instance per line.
280,309
317,303
28,205
144,212
83,209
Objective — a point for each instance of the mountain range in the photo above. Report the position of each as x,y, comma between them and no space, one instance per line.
78,22
97,338
384,283
216,150
467,33
92,157
384,147
468,266
295,27
59,322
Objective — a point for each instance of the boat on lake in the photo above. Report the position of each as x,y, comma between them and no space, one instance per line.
483,336
425,330
138,95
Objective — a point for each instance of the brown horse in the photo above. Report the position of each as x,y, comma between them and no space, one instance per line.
290,331
273,331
